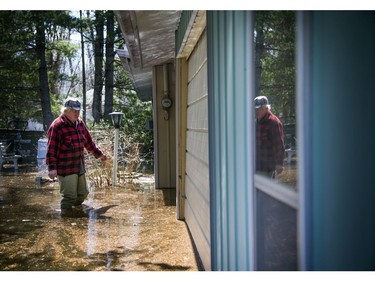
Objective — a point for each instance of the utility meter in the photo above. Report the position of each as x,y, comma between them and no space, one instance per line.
166,103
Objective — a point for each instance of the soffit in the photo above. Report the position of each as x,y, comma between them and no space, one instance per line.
150,41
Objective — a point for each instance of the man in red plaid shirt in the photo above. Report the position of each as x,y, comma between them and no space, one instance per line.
68,136
270,150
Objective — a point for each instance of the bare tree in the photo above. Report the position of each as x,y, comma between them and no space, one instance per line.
98,59
110,56
40,49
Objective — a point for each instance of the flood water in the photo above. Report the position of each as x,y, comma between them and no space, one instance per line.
141,233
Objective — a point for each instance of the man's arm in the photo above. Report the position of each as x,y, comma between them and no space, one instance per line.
91,146
279,147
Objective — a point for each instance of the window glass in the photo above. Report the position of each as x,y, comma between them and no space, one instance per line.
276,237
276,142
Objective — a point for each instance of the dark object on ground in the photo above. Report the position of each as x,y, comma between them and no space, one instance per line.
85,211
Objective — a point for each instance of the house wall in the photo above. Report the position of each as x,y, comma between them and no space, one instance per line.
230,130
164,128
181,115
333,212
197,203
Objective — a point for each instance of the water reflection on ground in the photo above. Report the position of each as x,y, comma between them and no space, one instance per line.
140,234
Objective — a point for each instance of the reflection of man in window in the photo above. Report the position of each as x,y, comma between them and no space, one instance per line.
270,148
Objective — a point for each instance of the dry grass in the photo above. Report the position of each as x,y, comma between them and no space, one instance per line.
290,175
99,173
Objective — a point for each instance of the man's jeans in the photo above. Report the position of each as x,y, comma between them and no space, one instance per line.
73,189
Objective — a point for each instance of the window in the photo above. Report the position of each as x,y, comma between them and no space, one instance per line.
274,35
275,141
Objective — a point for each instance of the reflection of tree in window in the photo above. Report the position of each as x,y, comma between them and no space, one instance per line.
276,220
274,61
274,36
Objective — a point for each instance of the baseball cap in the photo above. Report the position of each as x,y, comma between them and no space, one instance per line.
72,104
260,101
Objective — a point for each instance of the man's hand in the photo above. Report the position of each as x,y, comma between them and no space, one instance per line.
52,174
103,158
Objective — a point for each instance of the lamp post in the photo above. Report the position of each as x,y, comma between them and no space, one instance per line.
116,119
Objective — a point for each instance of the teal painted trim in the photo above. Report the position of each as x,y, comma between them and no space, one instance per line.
304,136
230,127
182,27
343,151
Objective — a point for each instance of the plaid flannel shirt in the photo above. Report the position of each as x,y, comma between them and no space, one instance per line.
270,149
65,146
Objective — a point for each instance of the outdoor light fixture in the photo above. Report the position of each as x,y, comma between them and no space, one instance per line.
116,119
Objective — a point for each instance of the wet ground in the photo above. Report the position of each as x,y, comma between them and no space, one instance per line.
140,234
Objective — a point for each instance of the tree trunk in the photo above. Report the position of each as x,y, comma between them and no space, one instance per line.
110,56
43,74
259,53
84,106
98,77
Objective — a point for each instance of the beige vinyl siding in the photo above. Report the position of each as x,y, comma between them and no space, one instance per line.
197,205
164,129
